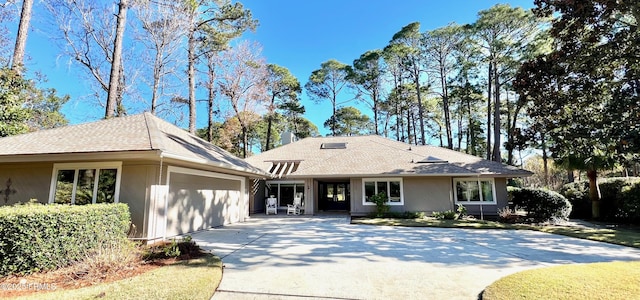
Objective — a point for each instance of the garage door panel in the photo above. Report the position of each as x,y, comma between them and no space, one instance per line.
199,202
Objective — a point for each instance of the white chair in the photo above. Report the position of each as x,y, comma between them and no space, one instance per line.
272,205
296,207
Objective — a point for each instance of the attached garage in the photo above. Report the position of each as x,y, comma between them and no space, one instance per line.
199,199
174,182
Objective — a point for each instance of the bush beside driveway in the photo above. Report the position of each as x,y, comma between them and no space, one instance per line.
328,257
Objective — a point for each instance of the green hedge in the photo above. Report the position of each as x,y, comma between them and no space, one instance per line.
36,237
541,205
618,201
578,194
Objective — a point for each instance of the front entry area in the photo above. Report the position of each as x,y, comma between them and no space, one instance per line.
334,196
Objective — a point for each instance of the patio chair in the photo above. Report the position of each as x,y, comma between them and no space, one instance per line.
296,207
272,205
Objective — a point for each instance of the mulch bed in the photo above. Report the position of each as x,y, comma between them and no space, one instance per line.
69,278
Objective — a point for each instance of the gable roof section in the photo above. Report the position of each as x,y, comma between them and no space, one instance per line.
378,156
141,132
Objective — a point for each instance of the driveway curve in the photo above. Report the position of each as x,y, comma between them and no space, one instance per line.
328,258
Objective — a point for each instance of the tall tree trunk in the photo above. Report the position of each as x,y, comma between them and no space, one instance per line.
420,109
333,116
21,38
116,62
545,159
497,156
460,130
514,123
415,127
398,122
409,136
594,193
245,141
210,102
440,135
445,105
375,113
470,131
156,82
269,122
489,100
191,73
510,145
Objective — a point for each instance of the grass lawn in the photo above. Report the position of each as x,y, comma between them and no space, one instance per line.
616,280
625,237
190,279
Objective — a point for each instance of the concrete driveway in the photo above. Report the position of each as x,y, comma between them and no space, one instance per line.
328,258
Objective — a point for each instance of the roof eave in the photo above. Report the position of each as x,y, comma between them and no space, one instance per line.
76,156
210,163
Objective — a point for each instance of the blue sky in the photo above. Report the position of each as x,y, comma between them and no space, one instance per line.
299,35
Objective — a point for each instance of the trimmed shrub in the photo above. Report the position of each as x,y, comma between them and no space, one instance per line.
578,194
616,204
612,198
445,215
629,210
36,237
542,205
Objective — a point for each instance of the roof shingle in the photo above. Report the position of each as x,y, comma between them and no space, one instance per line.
378,156
141,132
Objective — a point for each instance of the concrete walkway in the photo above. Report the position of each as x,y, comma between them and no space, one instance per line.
328,258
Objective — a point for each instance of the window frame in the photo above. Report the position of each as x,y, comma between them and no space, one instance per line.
388,180
296,184
478,181
76,167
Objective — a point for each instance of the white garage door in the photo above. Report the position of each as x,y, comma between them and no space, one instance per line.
198,200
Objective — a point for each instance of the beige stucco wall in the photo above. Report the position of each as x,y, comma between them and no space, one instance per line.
198,202
427,194
28,180
424,194
33,181
136,180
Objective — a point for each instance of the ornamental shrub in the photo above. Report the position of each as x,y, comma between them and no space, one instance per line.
542,205
578,195
445,215
612,197
382,205
35,237
616,203
629,209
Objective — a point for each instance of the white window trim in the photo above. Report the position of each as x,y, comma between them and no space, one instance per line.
493,190
77,167
387,180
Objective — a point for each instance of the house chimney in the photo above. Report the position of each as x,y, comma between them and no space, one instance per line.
287,138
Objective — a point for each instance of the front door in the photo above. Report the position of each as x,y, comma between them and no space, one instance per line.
334,196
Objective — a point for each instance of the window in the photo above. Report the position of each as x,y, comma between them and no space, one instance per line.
333,146
474,191
285,191
391,187
86,183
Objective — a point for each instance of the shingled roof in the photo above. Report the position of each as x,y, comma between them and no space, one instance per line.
376,156
141,132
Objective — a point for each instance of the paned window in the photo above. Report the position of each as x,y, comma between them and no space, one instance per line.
85,183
